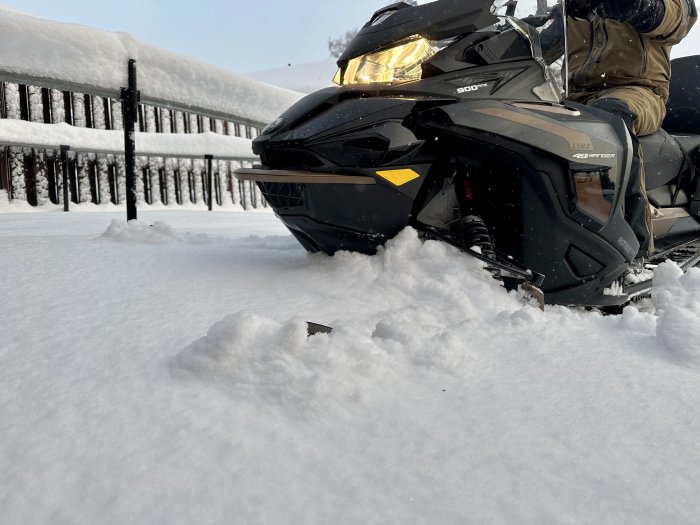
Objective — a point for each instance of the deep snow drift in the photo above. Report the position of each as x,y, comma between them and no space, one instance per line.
154,374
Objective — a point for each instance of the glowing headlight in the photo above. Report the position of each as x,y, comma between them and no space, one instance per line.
391,66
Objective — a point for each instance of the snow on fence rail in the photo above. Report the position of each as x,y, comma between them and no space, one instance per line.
61,84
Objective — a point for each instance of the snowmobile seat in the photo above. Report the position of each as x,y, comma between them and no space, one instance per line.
691,143
656,151
683,107
663,158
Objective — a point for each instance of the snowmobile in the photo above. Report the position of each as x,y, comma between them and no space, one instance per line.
451,117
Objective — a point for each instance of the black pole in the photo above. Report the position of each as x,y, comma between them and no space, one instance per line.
64,164
130,109
210,182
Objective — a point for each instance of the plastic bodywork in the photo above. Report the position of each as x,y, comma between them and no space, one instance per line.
518,157
478,138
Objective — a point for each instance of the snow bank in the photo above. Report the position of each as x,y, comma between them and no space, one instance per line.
52,136
677,299
440,397
135,232
83,55
430,309
419,290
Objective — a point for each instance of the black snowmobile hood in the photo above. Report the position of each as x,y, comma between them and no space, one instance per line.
435,21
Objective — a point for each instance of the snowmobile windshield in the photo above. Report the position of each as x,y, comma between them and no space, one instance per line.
393,46
543,23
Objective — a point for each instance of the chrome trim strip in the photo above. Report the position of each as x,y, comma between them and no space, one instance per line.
300,177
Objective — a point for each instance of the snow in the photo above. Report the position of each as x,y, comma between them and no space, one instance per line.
18,132
91,57
677,299
159,372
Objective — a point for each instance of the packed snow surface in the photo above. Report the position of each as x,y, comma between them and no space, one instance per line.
159,372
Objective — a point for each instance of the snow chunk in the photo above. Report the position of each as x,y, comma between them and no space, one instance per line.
265,360
135,232
677,299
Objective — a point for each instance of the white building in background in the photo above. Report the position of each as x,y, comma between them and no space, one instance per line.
55,74
304,78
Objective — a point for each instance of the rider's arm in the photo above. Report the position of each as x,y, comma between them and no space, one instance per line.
579,8
679,17
667,21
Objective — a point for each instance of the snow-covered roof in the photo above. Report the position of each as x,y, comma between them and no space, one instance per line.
52,136
97,60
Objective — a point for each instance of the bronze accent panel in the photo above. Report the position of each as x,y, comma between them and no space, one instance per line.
577,141
548,108
665,218
589,194
300,177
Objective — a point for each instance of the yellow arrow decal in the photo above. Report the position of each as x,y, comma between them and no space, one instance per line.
399,177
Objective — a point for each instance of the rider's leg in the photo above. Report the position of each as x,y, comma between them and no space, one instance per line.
643,112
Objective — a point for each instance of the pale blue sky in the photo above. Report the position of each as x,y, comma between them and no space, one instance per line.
239,35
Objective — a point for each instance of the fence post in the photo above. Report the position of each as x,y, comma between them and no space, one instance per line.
130,101
64,164
210,182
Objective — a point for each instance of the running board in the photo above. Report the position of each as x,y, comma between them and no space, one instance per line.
685,255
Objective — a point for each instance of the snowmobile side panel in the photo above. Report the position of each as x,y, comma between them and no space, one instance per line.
612,227
468,82
568,134
303,109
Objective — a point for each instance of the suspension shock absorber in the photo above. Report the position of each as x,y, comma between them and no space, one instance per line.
473,232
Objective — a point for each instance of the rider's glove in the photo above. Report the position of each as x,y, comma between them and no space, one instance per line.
643,15
579,8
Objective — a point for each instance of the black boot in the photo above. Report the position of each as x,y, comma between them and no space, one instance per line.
637,212
637,204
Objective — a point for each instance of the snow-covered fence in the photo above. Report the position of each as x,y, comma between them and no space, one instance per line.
171,165
60,84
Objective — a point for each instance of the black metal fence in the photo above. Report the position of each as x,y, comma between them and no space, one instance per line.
34,174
